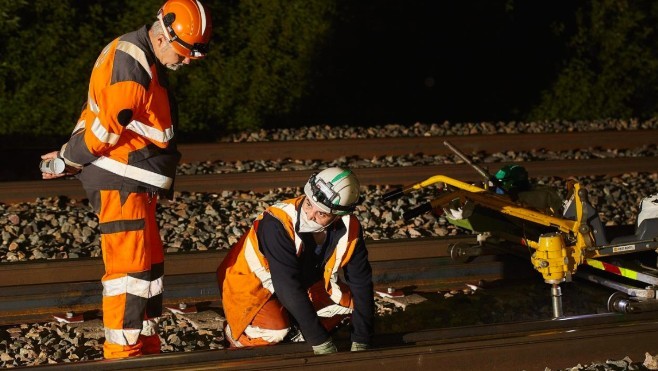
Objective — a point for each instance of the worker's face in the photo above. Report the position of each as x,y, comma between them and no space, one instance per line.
173,60
315,214
168,56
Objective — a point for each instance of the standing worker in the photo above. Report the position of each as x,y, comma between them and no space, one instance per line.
287,265
123,152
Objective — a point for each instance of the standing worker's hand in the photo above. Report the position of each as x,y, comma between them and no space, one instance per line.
325,348
67,169
356,347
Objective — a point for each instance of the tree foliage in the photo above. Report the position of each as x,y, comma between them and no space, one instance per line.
258,65
277,61
612,67
259,68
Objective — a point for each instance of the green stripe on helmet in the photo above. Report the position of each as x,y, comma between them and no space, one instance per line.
341,176
338,178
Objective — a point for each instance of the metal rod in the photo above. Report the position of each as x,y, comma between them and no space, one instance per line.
556,296
465,158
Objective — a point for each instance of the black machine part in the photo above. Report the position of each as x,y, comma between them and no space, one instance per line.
622,303
393,195
420,210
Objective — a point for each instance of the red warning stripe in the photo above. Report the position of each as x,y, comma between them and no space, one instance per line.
624,272
612,268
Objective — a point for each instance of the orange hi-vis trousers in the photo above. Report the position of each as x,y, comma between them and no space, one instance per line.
272,323
134,270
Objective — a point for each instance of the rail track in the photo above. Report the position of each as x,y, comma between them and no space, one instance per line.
332,148
12,192
35,290
510,346
24,191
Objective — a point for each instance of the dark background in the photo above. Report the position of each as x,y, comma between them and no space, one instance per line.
285,63
430,61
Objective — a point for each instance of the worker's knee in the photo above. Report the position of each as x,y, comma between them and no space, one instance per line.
270,336
255,336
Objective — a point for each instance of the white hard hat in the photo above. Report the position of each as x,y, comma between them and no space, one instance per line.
334,190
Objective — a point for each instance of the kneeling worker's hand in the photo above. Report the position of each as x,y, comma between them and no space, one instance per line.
325,348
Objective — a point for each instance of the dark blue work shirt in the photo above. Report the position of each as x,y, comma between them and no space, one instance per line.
293,275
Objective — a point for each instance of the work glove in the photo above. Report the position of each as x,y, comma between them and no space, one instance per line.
325,348
356,347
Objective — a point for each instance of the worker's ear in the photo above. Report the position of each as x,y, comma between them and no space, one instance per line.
161,40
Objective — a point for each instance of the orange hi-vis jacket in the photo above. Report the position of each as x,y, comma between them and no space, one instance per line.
124,135
244,278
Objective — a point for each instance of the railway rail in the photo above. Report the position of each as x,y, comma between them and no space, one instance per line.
510,346
365,148
25,191
22,191
35,291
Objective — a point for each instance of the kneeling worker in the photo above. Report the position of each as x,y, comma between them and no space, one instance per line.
284,270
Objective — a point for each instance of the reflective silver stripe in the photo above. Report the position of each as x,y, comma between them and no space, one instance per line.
202,13
93,106
271,336
333,310
151,132
341,248
79,126
228,335
126,285
101,133
256,267
336,294
139,287
135,52
251,256
115,286
292,213
122,337
133,172
150,327
67,161
156,287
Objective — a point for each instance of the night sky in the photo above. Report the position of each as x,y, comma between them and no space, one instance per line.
429,61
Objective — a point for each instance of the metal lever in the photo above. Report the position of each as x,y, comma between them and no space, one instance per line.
422,209
393,195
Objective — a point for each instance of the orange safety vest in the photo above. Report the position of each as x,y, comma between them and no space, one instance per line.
245,282
126,129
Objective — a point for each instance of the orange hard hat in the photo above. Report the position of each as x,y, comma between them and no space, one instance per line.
188,26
